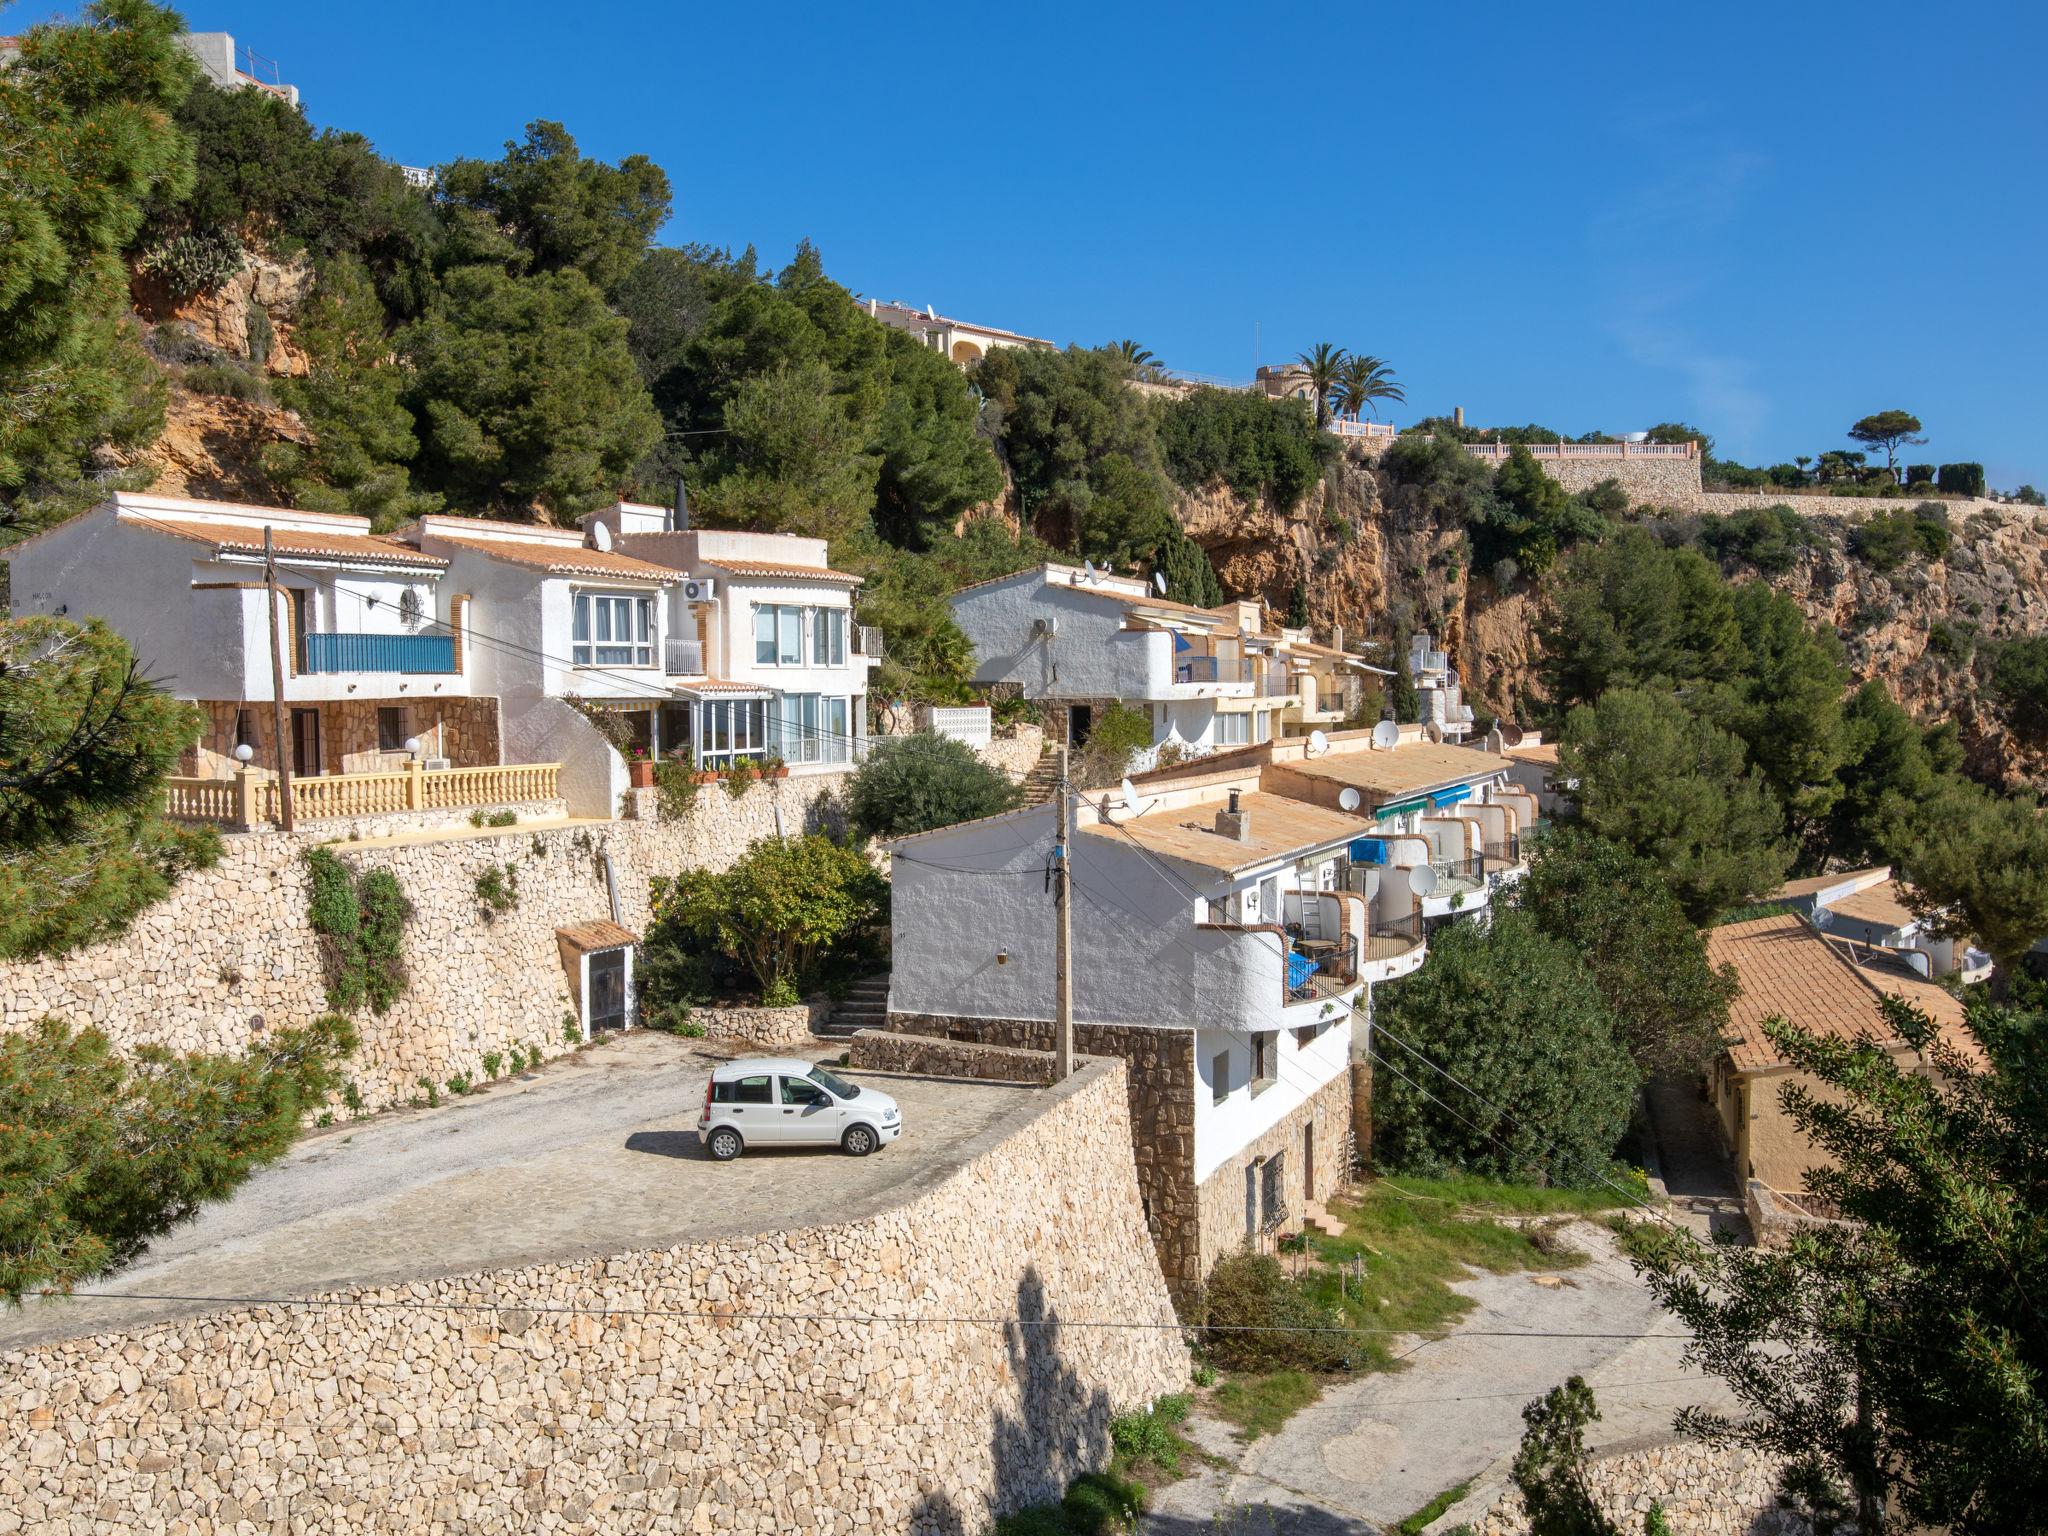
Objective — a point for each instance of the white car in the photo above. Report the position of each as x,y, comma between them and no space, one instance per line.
772,1101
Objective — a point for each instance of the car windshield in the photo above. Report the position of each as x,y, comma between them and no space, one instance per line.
837,1086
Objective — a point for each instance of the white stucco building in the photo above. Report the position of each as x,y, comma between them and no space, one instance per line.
1439,694
1229,924
1870,910
1208,679
961,340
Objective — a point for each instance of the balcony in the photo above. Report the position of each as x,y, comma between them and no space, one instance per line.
867,641
1504,857
250,799
1210,669
406,654
682,658
1455,876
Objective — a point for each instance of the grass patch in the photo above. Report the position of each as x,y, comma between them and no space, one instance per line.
1149,1446
1258,1405
1413,1525
1096,1504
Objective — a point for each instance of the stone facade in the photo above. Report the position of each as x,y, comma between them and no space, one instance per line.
783,1382
1705,1490
1018,753
1192,1226
929,1056
787,1029
1220,1198
229,952
463,730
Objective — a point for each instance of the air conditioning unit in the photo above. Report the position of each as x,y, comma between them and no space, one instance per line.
436,764
699,589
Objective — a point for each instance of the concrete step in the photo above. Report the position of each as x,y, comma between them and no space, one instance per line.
1314,1214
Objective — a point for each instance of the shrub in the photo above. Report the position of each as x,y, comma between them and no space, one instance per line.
359,925
1768,538
572,1032
2019,678
914,783
433,1093
1255,1318
1118,732
740,777
1886,540
193,263
495,819
1919,474
1259,446
1153,1434
226,379
675,783
1961,479
492,1062
497,889
459,1084
533,1056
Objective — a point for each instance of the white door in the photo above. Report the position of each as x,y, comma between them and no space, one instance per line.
807,1114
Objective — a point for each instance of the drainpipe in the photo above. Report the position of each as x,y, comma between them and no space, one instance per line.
611,883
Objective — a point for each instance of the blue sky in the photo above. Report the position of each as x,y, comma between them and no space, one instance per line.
1764,220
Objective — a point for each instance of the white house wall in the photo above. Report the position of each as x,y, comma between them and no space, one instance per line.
1092,654
1223,1130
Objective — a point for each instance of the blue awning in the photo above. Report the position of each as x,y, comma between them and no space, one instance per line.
1181,643
1452,795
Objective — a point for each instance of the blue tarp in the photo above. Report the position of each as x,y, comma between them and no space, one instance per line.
1299,969
1368,850
1181,643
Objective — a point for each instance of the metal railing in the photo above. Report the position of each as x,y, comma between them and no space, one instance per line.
682,658
1508,851
867,641
1274,683
1210,669
1470,871
379,653
1687,450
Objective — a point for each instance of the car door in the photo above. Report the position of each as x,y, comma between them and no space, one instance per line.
809,1115
754,1111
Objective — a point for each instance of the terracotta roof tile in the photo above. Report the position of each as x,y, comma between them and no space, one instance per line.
1788,970
293,541
598,933
562,559
1881,904
774,568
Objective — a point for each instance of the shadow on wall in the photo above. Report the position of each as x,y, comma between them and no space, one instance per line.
1061,1432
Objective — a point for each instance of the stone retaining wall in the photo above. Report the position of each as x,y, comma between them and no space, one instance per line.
676,1412
230,953
1662,481
1016,754
891,1052
790,1029
1854,507
1221,1198
1705,1490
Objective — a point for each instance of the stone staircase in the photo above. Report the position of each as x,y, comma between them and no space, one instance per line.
1315,1215
866,1007
1043,779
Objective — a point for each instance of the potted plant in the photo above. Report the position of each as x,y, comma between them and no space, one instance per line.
773,767
639,768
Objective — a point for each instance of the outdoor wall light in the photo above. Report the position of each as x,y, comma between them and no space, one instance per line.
412,745
244,752
1002,957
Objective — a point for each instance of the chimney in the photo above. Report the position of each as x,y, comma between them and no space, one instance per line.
1457,415
1234,823
679,518
1496,743
1336,637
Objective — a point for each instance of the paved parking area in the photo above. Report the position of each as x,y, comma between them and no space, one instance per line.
595,1154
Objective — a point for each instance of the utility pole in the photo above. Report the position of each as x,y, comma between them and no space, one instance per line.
284,766
1063,933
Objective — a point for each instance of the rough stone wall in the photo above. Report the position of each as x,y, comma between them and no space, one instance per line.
1162,1115
1016,754
1220,1197
1852,507
468,730
793,1028
929,1056
684,1410
1705,1491
229,952
1660,482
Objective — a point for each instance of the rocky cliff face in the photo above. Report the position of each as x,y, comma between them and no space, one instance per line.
1375,564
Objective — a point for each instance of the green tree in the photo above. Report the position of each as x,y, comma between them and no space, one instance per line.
935,464
1363,381
1190,578
782,909
1628,611
793,459
1125,511
1517,1017
2019,680
1138,361
85,743
1532,519
1440,479
1402,696
1897,1358
1670,1005
1324,367
1786,702
86,139
1889,430
98,1154
1259,446
1889,776
566,212
1114,737
1550,1464
1983,859
352,397
526,395
1677,790
1297,605
914,783
1768,538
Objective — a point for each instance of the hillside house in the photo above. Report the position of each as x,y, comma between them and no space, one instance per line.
961,340
1229,923
1870,907
1787,969
1208,679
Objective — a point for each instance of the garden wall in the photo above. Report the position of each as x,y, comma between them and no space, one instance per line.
229,954
1705,1490
891,1391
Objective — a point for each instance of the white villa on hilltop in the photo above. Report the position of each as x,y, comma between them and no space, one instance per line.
1209,679
1230,921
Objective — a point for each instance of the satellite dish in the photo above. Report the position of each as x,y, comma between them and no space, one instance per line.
1318,744
1386,735
1422,880
1088,569
600,536
1159,581
1348,798
1130,792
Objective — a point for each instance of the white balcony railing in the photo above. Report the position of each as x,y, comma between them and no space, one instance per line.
683,658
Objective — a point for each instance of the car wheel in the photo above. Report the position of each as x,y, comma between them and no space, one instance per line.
725,1143
859,1141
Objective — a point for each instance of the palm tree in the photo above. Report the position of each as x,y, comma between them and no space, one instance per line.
1136,359
1364,379
1323,366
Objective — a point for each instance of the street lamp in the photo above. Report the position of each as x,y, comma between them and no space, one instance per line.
412,746
243,753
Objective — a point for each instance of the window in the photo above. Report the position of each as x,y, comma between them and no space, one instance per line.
390,728
1265,725
1233,730
1264,1054
797,1090
730,728
778,635
1273,1189
613,631
245,728
828,637
1219,1077
809,728
741,1090
834,1084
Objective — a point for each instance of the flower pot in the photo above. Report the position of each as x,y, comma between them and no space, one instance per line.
641,773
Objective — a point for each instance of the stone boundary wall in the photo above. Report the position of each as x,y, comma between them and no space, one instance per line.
793,1028
691,1414
229,952
1773,1220
1673,484
1162,1116
1662,481
1855,508
1016,754
1705,1490
922,1054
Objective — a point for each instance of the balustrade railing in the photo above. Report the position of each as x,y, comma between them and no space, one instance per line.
250,799
1587,450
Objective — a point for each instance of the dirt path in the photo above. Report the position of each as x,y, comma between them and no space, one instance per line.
1372,1452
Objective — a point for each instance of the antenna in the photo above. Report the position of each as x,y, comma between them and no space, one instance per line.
1386,735
1159,581
1318,744
1348,798
600,536
1088,568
